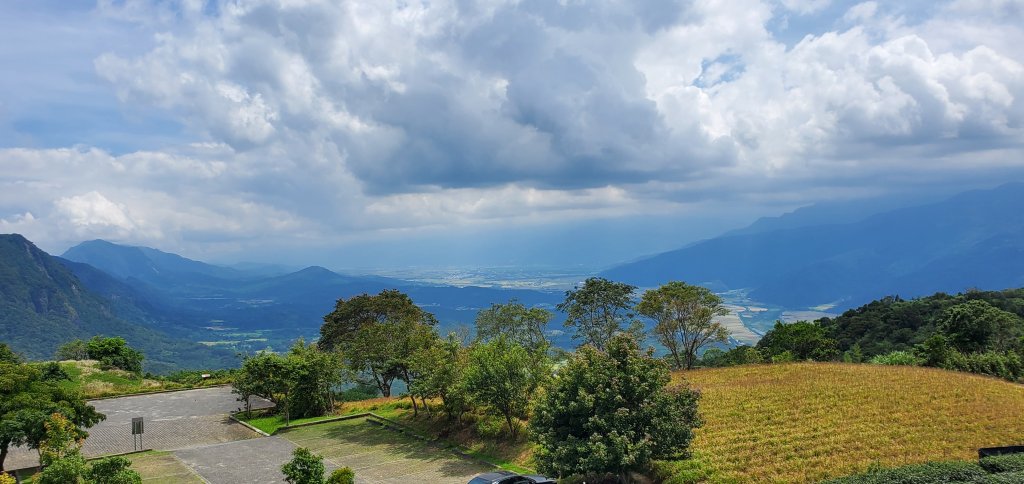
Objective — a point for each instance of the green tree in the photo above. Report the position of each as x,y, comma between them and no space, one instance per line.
75,349
612,412
7,355
377,334
304,468
115,353
684,318
269,376
60,455
522,325
599,310
978,326
803,339
313,375
503,376
441,368
27,401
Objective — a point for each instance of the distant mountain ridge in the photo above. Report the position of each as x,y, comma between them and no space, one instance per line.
283,306
44,304
974,239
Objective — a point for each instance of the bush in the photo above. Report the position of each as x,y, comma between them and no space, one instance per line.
342,476
1003,478
113,470
1003,463
67,470
1006,365
927,473
115,353
740,355
6,478
304,468
904,358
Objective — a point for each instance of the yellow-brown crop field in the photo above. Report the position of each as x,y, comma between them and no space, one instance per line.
804,422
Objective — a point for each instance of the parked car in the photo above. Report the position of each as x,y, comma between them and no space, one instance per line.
509,477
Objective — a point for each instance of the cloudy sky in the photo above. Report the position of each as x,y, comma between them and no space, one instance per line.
487,132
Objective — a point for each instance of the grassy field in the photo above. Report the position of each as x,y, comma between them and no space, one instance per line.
94,382
804,422
162,468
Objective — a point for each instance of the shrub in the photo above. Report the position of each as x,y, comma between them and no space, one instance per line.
927,473
1006,365
67,470
1003,463
6,478
304,468
113,470
904,358
1002,478
115,353
342,476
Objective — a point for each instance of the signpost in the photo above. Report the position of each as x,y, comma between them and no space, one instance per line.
137,429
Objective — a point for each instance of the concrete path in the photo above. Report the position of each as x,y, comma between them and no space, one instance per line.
242,462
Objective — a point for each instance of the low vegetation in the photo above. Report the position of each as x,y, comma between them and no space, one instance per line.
804,422
1004,469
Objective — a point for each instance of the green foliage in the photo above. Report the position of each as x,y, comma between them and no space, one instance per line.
75,349
313,374
27,402
6,478
304,468
599,310
442,368
358,391
69,470
300,383
377,335
978,326
740,355
343,475
927,473
904,358
113,470
7,355
612,412
804,340
503,376
115,353
522,325
684,319
52,371
1007,365
1003,463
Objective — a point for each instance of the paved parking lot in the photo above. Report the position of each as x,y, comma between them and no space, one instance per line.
173,420
198,443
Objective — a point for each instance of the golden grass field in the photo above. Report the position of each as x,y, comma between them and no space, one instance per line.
804,422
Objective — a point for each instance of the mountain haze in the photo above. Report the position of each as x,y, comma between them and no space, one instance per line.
974,239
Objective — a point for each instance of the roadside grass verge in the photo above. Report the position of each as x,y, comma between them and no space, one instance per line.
95,382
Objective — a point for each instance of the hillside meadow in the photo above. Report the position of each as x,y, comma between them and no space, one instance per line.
804,422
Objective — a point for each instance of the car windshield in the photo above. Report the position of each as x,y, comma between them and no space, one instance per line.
479,480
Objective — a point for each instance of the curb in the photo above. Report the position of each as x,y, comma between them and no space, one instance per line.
139,394
247,425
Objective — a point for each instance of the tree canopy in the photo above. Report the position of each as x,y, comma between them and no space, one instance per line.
612,412
599,310
684,318
520,324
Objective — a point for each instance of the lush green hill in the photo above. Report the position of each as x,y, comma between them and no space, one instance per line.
44,305
803,422
892,323
975,239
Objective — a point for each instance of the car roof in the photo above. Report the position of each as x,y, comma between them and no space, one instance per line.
495,475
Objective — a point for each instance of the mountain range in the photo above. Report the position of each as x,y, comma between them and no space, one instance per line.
44,304
971,240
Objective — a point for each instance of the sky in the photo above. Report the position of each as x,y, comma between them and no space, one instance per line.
492,132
